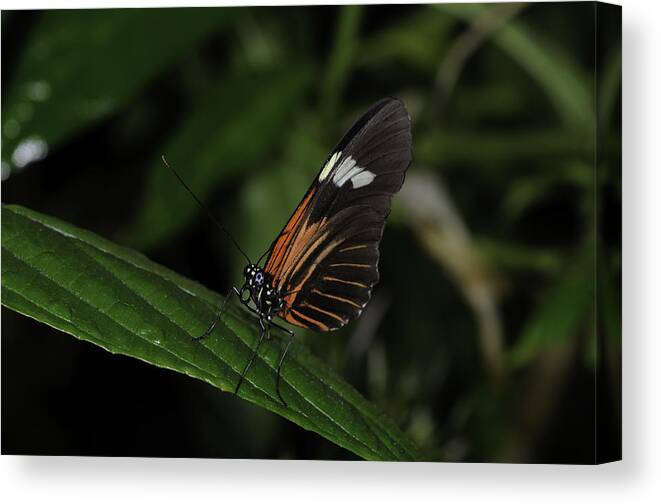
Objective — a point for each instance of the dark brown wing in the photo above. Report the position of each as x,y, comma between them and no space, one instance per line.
326,257
331,278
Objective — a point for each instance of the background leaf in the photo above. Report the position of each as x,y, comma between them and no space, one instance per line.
53,95
552,68
559,315
415,42
340,59
115,298
208,148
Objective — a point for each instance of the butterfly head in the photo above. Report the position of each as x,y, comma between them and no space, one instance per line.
262,292
254,276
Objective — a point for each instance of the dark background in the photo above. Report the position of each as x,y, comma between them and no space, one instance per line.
499,299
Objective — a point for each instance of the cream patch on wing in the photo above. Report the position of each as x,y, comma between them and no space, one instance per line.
328,167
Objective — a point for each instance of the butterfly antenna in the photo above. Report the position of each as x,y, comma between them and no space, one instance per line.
204,207
284,233
264,255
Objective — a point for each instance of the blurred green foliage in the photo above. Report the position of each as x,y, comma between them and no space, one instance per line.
486,332
65,79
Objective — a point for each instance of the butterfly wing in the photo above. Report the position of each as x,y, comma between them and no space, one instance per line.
325,259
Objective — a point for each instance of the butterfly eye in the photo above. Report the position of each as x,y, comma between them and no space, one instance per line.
250,272
259,279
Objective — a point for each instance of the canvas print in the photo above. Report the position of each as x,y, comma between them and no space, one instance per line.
353,232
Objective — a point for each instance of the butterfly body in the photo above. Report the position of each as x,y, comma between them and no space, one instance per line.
259,289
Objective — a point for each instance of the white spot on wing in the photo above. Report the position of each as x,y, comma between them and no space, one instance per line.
346,170
364,178
353,172
349,170
329,166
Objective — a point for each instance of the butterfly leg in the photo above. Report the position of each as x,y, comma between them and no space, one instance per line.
262,333
282,359
267,333
218,314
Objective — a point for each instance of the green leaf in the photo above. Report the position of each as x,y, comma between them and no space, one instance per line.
487,148
512,255
553,68
524,192
341,58
563,308
417,41
238,127
80,66
493,100
117,299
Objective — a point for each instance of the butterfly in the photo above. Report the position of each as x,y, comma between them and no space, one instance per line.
321,268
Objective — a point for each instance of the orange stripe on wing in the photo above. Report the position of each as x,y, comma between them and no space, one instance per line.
354,247
287,236
309,238
352,265
349,282
305,248
292,320
325,312
337,298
